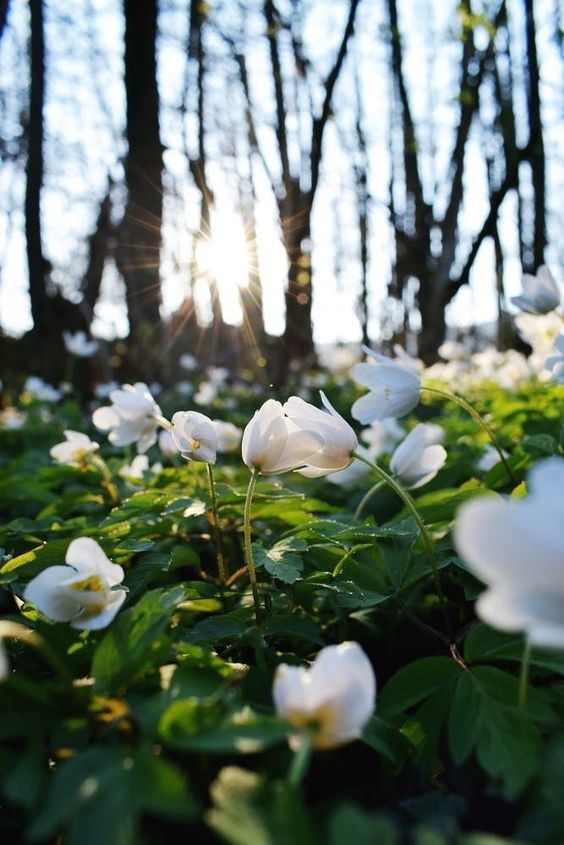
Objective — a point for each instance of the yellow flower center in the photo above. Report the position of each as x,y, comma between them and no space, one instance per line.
92,584
195,444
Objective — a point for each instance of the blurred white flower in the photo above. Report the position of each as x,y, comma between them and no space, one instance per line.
382,436
103,390
338,439
338,358
453,350
131,418
540,293
516,547
419,457
77,450
82,592
206,393
194,436
185,388
11,418
138,466
540,331
228,436
394,389
188,362
79,345
274,445
40,390
335,697
217,375
490,457
555,363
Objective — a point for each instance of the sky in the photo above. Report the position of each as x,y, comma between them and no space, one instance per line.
84,141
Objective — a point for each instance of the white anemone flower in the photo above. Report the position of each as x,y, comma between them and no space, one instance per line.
77,450
82,592
194,436
166,443
516,547
338,439
138,466
41,391
419,457
394,388
228,436
351,476
382,436
273,444
540,293
131,418
489,458
555,363
79,345
335,697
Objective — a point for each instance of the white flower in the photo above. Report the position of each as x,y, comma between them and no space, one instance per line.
79,345
103,390
490,457
516,547
394,389
274,445
188,362
11,418
228,436
194,436
453,350
555,363
77,450
338,358
382,436
166,443
418,458
132,418
82,591
40,390
335,697
338,440
540,293
206,393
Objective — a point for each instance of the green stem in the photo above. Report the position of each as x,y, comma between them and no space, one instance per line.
524,677
409,504
218,542
248,546
300,760
366,498
459,400
108,482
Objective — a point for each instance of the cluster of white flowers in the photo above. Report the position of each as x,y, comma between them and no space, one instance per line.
131,418
79,345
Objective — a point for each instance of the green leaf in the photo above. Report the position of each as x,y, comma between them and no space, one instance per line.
201,725
414,683
298,627
218,629
350,824
465,718
282,561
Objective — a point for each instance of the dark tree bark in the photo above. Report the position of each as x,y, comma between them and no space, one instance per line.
3,15
139,234
99,249
536,142
38,266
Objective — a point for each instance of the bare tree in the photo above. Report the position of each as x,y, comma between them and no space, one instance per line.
536,142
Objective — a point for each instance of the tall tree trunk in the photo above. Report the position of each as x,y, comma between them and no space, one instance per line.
536,141
3,15
38,267
139,235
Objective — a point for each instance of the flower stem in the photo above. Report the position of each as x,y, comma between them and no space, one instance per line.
524,677
163,422
366,498
212,517
107,476
409,504
300,761
248,546
459,400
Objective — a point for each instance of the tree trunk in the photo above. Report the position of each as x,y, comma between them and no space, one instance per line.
38,266
536,142
3,15
139,235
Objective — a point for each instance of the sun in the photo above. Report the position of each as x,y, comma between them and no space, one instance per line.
223,256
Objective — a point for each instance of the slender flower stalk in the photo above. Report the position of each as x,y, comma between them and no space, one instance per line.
524,676
300,760
215,528
248,546
409,504
459,400
366,498
106,473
